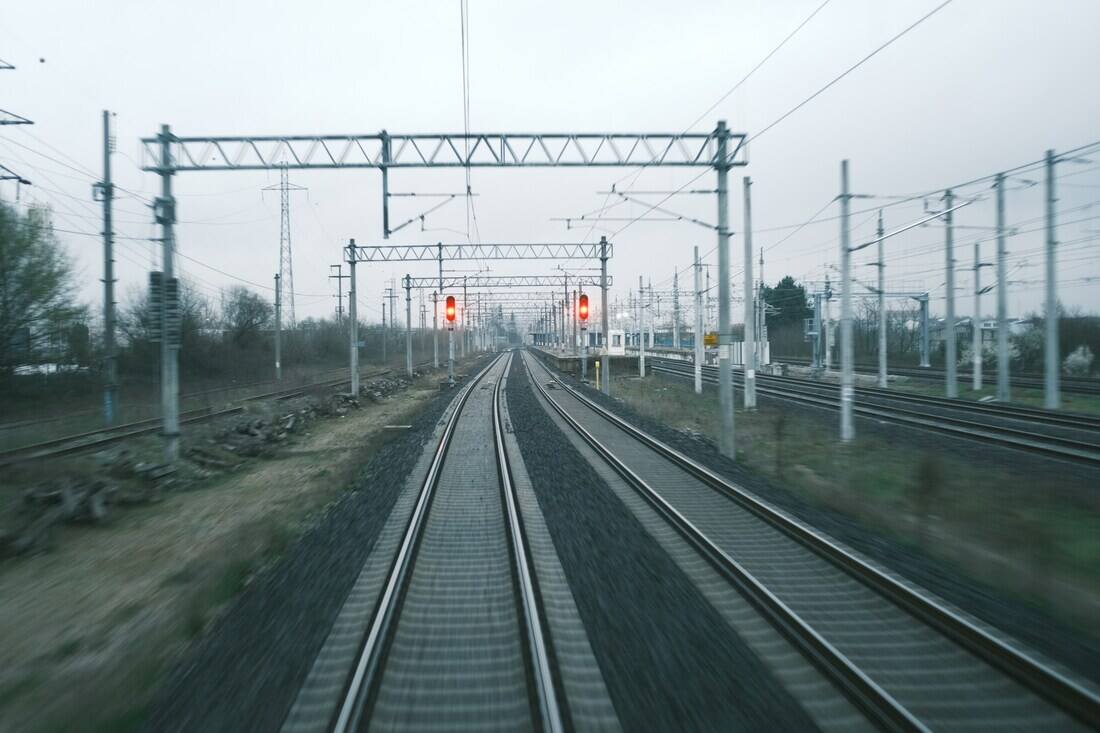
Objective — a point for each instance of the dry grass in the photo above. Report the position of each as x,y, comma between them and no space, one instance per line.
1035,537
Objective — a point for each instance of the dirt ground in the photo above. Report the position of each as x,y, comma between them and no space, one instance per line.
88,626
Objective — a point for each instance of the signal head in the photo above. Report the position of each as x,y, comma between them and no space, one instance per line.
451,308
582,309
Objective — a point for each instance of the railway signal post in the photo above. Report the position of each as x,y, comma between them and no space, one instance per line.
582,313
450,339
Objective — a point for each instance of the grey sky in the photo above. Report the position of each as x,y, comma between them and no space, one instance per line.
982,86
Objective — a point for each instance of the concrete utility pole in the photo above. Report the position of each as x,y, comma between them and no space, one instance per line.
605,358
697,338
950,356
462,319
353,321
650,322
726,442
384,299
278,327
748,348
641,330
976,325
1002,295
676,309
110,356
925,351
169,351
574,321
881,306
1052,398
828,329
819,345
847,376
408,327
435,312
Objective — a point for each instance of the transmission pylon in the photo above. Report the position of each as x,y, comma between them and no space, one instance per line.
286,259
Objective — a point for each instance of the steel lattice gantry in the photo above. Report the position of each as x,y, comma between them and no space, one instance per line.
442,150
440,252
492,282
168,154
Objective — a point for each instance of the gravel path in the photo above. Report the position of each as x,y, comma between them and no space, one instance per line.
668,658
1028,624
245,673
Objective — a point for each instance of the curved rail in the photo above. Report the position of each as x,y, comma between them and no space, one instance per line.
1063,692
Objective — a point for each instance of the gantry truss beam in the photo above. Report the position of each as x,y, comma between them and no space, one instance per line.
443,150
483,282
418,252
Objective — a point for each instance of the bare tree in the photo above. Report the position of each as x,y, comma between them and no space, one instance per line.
37,289
244,314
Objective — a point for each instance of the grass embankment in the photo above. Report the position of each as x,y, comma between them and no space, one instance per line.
1030,532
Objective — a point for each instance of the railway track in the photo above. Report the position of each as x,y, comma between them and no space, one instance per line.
1057,435
1076,385
904,658
103,437
457,633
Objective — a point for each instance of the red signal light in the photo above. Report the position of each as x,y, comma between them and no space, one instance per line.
582,309
451,308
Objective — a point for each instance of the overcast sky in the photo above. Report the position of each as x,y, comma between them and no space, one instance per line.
982,86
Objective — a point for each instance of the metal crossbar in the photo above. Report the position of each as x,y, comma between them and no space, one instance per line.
421,252
445,150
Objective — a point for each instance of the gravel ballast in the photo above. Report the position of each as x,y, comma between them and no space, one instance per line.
668,658
245,672
1025,623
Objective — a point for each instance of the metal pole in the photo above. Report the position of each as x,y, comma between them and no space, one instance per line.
353,321
110,357
462,319
383,329
605,358
726,442
1002,296
278,327
435,312
641,329
1052,398
748,348
924,355
976,324
847,377
950,356
574,321
676,309
819,345
408,327
169,352
385,185
697,337
881,306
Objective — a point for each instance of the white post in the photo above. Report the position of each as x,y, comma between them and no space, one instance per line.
748,348
1052,398
950,355
697,338
847,377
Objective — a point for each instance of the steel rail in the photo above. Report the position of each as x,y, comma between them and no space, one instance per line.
882,708
1048,445
79,442
550,712
1075,385
1058,418
366,676
1065,693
